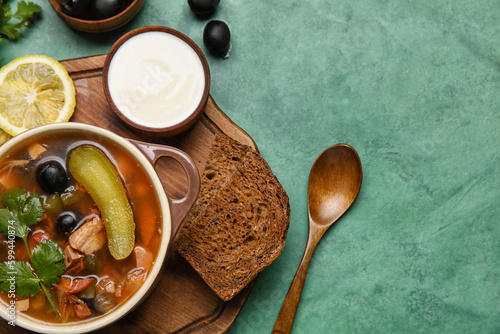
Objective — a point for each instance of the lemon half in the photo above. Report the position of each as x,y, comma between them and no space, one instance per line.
34,90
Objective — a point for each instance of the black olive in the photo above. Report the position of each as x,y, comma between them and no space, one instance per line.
74,7
217,38
203,8
102,9
66,222
52,177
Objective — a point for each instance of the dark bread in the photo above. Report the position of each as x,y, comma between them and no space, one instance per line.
225,154
243,226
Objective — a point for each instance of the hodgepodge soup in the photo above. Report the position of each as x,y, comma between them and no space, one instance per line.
89,281
156,79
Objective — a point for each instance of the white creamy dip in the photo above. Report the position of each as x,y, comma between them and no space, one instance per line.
156,79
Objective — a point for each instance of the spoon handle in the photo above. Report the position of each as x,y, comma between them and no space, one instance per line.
286,316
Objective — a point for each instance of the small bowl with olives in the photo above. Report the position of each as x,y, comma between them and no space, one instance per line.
96,15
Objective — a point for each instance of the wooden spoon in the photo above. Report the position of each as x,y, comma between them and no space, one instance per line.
334,184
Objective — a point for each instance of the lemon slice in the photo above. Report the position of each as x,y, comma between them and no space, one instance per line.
4,136
34,90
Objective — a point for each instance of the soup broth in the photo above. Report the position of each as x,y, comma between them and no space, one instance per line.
107,282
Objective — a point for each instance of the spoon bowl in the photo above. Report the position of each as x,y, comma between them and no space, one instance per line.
334,184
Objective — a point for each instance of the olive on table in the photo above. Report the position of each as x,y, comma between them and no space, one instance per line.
74,7
52,177
103,9
217,38
66,222
203,8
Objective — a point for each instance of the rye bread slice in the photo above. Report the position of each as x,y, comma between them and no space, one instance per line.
225,154
241,230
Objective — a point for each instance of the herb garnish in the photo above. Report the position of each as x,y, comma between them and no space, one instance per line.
21,211
24,14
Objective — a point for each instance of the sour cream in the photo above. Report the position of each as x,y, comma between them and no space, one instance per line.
156,79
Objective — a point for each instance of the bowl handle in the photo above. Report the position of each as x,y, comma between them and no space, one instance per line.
178,207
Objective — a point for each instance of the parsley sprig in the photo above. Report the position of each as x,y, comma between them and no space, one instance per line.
21,211
11,23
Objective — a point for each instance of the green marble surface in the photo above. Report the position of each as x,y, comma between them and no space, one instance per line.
414,86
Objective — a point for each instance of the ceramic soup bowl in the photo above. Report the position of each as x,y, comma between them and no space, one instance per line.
143,157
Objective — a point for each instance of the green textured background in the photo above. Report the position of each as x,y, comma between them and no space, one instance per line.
414,86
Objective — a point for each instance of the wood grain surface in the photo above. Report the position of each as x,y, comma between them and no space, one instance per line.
181,302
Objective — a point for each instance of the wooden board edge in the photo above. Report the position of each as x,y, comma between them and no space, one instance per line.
226,125
84,67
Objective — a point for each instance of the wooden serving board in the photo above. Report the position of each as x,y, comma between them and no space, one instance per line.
181,302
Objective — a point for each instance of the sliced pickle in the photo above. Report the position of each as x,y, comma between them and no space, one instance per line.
53,203
94,171
88,292
70,197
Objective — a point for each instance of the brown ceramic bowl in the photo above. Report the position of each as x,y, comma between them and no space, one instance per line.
104,25
172,211
156,80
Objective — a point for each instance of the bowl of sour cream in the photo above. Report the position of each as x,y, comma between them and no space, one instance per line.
156,80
